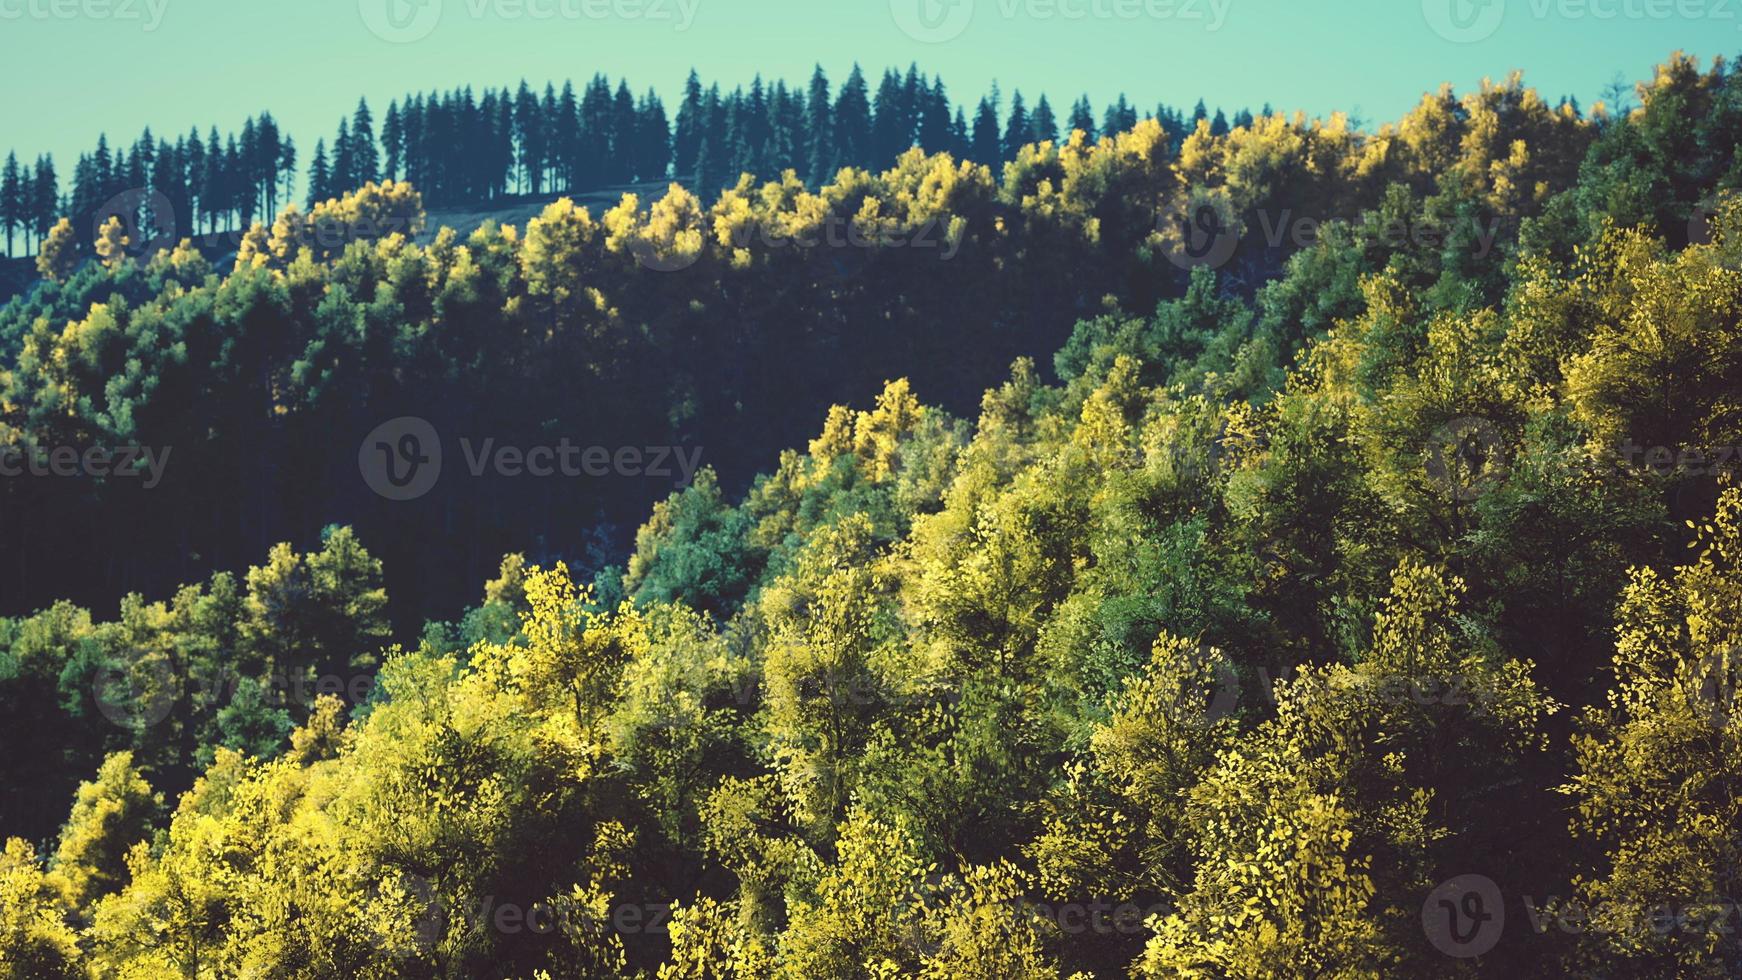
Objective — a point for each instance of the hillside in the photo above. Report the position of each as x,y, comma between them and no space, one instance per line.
1075,597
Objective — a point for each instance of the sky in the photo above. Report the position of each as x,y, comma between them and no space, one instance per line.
83,67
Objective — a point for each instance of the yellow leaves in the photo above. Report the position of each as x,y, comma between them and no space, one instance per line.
669,236
555,256
57,256
111,242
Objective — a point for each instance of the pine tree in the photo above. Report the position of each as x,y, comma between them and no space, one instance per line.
888,134
708,170
853,144
566,137
320,176
986,148
551,153
392,142
11,200
1219,125
623,159
934,119
1120,117
45,199
529,129
691,128
1083,118
1043,127
1018,131
819,127
344,161
212,181
366,158
654,142
194,173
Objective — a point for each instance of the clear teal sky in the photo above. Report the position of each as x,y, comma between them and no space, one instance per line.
78,67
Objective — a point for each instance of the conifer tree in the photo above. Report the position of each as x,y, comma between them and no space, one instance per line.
1083,118
986,148
1043,127
1019,130
819,127
319,176
853,142
11,199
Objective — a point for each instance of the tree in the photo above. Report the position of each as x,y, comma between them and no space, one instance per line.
392,142
13,213
320,176
365,157
35,940
45,199
112,241
853,139
987,143
113,812
691,128
58,255
1019,131
890,134
1043,127
344,175
1659,782
1083,118
819,127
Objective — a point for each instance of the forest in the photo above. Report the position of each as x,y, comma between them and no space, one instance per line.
1155,547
